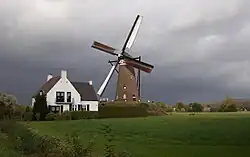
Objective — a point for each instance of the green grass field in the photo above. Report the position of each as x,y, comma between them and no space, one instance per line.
5,148
177,135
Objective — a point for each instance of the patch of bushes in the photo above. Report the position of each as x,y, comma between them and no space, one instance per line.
27,116
29,144
22,139
50,116
75,115
157,108
227,108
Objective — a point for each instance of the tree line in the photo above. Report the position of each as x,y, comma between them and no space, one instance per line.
9,108
227,105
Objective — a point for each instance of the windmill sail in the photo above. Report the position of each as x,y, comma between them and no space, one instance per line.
138,64
106,81
132,34
105,48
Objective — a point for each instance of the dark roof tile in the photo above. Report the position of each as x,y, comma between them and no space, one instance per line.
86,91
48,85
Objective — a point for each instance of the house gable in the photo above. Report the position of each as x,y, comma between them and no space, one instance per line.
63,85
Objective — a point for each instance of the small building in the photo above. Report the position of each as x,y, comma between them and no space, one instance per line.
63,95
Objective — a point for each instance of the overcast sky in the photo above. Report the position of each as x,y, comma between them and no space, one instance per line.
200,49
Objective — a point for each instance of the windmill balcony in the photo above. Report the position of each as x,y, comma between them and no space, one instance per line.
62,101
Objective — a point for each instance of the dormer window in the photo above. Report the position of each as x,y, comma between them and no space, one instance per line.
41,93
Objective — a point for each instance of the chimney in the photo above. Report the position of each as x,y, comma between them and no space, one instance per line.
90,83
63,74
49,77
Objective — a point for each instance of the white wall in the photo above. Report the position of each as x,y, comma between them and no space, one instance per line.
93,105
63,85
66,107
32,102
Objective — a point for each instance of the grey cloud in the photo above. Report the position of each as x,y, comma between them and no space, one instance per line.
200,51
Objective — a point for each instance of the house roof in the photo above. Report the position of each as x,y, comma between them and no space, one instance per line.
86,91
48,85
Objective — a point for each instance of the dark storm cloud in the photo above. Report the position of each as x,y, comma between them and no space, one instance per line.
199,49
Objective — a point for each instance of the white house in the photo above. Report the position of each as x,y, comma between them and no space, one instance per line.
64,95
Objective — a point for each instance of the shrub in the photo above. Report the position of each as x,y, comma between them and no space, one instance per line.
228,108
40,106
76,115
64,116
21,137
231,108
144,105
50,116
27,116
37,116
169,109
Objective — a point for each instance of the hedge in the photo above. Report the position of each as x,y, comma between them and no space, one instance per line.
122,112
107,111
104,112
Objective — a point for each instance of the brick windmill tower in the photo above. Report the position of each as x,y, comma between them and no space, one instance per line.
128,82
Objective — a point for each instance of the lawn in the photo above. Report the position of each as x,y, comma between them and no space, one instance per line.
177,135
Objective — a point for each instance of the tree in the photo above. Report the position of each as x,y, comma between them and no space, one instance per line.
227,100
2,110
228,108
195,107
40,106
8,99
179,106
227,105
7,104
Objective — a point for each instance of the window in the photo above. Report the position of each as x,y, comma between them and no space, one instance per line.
124,96
53,109
84,108
41,92
79,107
124,87
59,96
87,107
134,98
68,96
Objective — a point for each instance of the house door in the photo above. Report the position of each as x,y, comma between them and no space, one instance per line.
87,107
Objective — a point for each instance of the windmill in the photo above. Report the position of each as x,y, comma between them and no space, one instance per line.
128,85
